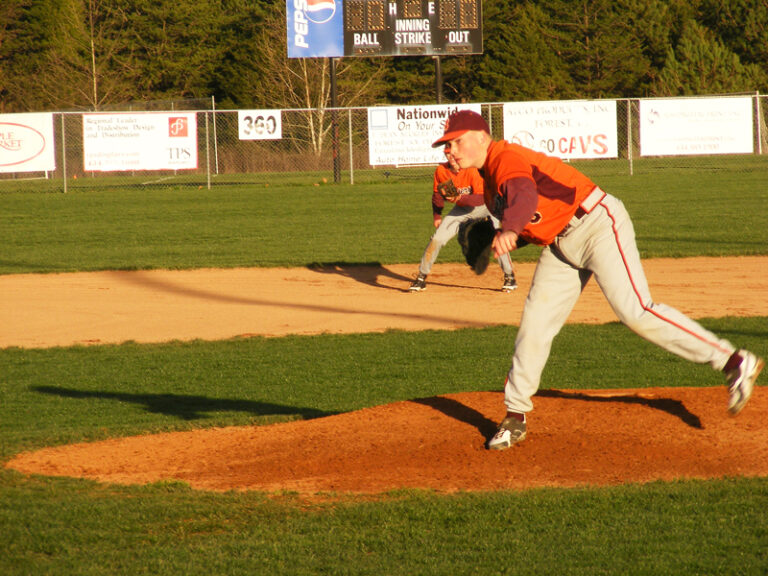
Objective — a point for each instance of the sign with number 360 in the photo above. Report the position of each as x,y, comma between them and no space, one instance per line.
259,124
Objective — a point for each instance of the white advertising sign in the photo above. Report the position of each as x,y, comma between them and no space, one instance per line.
259,124
26,143
404,134
690,126
148,141
571,129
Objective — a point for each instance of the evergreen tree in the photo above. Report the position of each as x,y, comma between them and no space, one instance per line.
522,59
742,25
9,13
237,78
172,48
600,46
701,64
90,54
28,35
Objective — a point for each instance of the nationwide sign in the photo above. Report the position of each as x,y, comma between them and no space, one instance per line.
403,135
335,28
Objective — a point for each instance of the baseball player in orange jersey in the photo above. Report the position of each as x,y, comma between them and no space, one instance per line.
585,232
466,187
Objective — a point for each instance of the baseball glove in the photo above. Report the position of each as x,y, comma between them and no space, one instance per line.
475,238
448,190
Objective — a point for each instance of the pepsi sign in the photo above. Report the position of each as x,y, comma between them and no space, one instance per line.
315,28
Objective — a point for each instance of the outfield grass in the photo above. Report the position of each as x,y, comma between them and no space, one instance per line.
64,526
293,223
60,395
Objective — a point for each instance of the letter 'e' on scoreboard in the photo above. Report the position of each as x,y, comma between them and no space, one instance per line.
332,28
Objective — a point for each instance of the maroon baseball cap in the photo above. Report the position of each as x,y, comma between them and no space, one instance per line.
460,122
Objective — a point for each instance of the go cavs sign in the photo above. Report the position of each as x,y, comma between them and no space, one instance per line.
575,129
335,28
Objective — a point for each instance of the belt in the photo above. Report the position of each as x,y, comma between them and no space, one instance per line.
586,206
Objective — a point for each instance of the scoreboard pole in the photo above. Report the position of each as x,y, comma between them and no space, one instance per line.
438,80
335,124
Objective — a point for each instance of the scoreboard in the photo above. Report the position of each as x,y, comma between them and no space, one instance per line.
335,28
412,27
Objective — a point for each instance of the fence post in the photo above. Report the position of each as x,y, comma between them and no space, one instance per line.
759,119
215,137
351,155
207,151
335,124
64,153
629,137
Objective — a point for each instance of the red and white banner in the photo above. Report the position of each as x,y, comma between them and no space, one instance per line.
571,129
139,141
26,143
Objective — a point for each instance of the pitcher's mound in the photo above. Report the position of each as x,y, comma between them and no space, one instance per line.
574,438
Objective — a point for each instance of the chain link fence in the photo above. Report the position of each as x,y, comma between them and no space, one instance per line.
329,145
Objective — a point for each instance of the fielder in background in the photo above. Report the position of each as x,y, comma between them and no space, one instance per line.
464,188
585,232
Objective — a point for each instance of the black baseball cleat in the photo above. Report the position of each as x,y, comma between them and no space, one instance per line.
510,284
419,284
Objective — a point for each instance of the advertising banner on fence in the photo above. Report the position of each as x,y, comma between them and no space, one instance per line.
401,135
571,129
315,28
149,141
259,124
691,126
26,143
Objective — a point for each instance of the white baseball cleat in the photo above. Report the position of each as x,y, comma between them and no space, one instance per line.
741,380
511,431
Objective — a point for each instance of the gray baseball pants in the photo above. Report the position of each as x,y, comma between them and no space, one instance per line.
449,228
600,244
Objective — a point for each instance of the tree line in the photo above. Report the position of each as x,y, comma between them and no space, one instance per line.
96,54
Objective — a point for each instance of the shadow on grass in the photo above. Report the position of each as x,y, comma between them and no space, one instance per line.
184,406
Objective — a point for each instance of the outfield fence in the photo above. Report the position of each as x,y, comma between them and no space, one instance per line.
333,145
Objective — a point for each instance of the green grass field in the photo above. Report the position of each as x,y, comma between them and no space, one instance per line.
60,395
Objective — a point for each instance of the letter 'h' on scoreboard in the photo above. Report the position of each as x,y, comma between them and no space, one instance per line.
336,28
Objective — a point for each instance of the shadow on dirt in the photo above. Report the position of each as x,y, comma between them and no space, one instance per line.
673,407
370,273
363,272
462,413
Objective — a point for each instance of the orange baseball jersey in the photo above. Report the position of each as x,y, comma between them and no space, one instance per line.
560,189
468,182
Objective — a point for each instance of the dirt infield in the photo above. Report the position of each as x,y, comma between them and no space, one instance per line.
576,437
